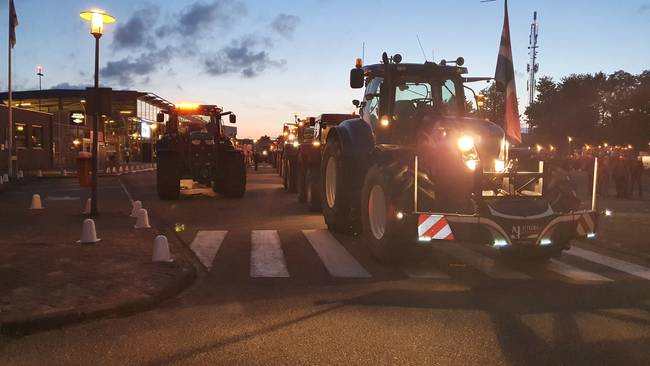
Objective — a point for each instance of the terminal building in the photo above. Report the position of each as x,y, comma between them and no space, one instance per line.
51,127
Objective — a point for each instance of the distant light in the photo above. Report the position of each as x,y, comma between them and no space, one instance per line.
608,212
126,112
316,143
546,241
400,215
424,239
538,147
591,235
471,164
605,144
296,144
500,243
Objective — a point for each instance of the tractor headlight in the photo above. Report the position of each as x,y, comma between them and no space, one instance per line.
468,151
466,143
264,153
499,165
296,144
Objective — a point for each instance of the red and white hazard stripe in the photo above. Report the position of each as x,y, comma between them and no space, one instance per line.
434,227
585,225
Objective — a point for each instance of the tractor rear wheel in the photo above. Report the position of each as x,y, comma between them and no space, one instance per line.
335,200
312,190
168,176
231,178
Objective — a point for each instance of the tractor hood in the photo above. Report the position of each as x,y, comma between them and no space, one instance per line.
487,136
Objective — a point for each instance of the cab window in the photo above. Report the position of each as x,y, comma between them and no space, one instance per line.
371,109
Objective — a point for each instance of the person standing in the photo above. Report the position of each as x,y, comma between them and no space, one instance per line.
620,177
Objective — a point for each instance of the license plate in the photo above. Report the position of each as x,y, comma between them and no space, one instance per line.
527,231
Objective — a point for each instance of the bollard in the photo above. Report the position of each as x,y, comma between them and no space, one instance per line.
64,172
5,178
108,170
39,173
142,221
20,174
86,210
137,205
120,170
161,250
88,232
36,202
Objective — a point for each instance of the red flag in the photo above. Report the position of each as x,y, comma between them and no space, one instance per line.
505,78
13,23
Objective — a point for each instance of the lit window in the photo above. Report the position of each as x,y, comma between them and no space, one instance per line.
37,137
20,135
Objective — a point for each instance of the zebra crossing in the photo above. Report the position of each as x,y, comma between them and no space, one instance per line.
268,259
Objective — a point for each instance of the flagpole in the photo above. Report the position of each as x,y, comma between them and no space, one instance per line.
10,114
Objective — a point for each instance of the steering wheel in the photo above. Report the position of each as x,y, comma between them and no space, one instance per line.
422,101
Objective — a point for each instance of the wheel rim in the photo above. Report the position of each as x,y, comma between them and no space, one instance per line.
377,212
330,182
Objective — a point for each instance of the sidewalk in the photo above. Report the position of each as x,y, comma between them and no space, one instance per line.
48,280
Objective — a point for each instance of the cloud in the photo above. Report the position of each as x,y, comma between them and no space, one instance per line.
285,24
242,57
127,69
645,7
201,15
137,31
68,86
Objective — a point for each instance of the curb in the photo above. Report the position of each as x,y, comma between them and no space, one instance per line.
67,316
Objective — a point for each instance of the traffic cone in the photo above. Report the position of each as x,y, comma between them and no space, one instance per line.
88,232
114,170
86,210
161,249
20,174
121,169
39,173
36,202
137,205
64,172
142,221
5,178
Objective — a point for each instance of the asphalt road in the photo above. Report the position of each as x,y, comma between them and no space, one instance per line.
277,289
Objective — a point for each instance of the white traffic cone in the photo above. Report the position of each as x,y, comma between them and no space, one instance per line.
161,250
64,172
137,205
86,210
142,221
36,202
39,173
121,169
20,174
114,170
5,178
88,232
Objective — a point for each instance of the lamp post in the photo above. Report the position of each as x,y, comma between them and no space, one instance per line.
97,19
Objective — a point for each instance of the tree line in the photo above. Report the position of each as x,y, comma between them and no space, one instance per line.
591,108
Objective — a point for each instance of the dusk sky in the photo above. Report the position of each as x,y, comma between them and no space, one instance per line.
267,60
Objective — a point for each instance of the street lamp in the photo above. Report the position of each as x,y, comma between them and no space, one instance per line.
97,19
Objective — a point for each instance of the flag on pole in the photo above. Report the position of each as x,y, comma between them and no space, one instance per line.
505,78
13,23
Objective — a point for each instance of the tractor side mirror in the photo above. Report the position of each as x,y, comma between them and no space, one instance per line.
312,121
160,117
356,78
232,118
356,103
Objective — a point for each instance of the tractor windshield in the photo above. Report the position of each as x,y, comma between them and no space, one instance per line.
414,96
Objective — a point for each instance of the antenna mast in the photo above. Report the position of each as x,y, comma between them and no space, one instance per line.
533,66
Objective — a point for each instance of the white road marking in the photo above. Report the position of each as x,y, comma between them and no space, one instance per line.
267,257
574,273
480,262
425,273
623,266
337,260
128,195
206,244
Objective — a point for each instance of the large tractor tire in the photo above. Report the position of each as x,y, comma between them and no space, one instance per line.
301,182
168,176
312,182
381,229
335,200
291,176
231,178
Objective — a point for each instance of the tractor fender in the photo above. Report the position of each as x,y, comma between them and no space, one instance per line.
357,142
